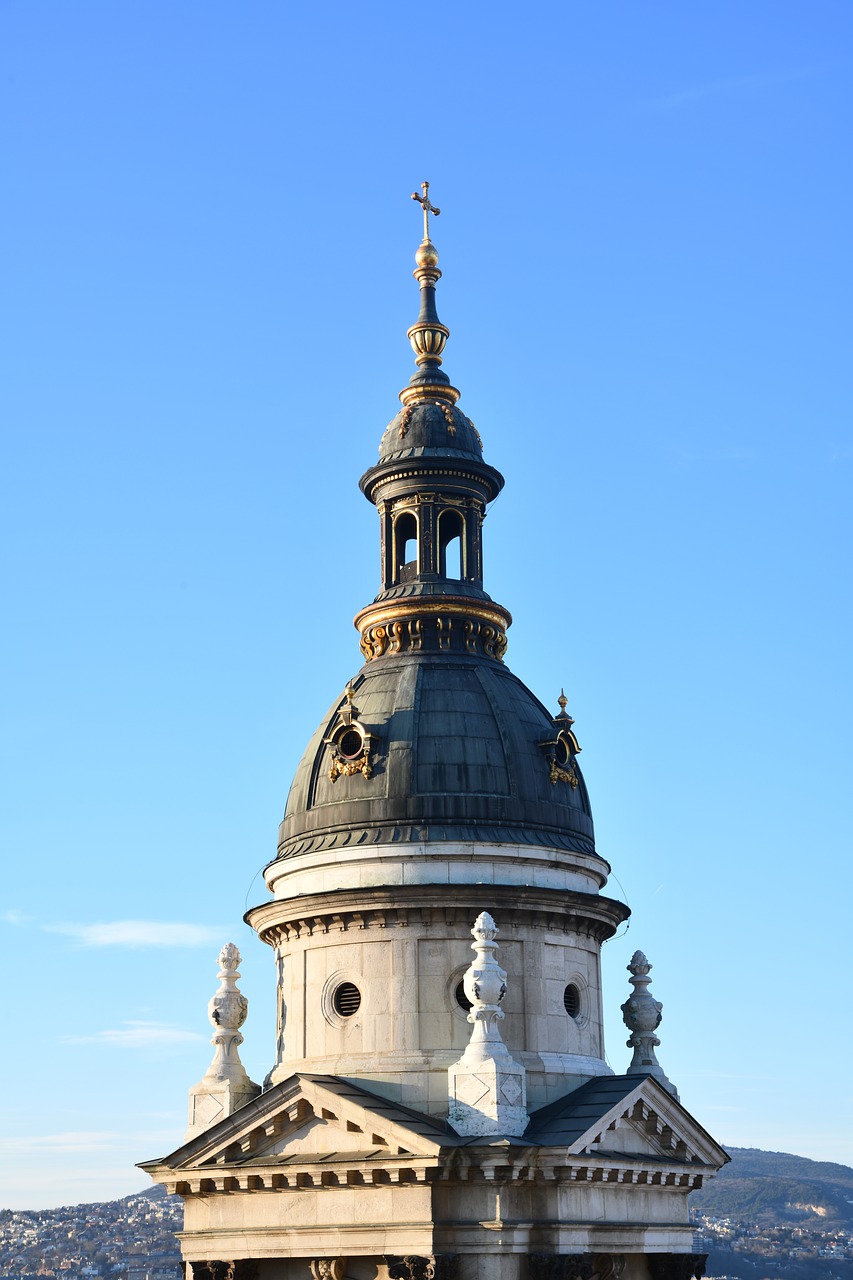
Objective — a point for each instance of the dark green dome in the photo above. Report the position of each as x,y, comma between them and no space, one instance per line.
430,429
459,751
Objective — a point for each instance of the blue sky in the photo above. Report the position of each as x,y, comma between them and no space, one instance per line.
206,255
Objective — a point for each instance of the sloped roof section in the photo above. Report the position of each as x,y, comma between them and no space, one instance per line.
316,1119
315,1116
590,1118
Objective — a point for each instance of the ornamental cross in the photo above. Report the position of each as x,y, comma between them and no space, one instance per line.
428,208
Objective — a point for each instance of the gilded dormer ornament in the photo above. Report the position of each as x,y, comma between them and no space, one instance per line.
562,750
350,742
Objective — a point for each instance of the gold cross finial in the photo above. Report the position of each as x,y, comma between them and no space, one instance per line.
428,208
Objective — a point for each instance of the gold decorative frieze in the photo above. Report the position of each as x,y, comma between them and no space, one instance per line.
450,625
419,393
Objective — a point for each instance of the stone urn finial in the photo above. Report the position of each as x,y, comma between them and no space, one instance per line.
225,1085
485,981
228,1007
641,1014
487,1087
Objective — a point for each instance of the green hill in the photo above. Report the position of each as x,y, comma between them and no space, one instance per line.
771,1187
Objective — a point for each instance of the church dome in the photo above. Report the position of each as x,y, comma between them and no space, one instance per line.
430,429
436,741
458,749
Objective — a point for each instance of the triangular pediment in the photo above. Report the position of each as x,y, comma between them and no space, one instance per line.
306,1119
627,1116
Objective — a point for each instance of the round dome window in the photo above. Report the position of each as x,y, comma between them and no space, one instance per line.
350,744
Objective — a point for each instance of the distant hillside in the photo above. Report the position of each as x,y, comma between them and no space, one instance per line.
771,1187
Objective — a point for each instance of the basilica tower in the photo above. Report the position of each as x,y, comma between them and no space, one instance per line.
426,1113
436,784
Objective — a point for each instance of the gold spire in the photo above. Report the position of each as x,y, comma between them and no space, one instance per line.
428,208
428,335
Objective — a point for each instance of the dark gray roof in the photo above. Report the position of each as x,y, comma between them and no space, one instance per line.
563,1122
430,430
457,756
395,1112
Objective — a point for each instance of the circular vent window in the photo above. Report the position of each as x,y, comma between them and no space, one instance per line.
346,1000
350,744
562,751
572,1000
461,998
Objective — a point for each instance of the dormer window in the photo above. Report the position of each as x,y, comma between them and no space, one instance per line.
562,751
349,743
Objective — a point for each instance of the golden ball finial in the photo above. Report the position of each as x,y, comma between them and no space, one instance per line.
427,254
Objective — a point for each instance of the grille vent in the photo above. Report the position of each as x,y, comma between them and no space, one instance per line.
461,998
346,1000
572,1000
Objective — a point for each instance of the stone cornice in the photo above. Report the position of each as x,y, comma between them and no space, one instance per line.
454,1165
377,907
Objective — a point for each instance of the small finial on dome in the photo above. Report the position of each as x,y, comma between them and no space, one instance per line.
563,716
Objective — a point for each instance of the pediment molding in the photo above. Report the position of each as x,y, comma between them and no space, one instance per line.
662,1127
319,1132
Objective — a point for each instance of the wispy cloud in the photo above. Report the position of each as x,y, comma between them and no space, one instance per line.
728,86
138,1035
141,933
14,916
76,1141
